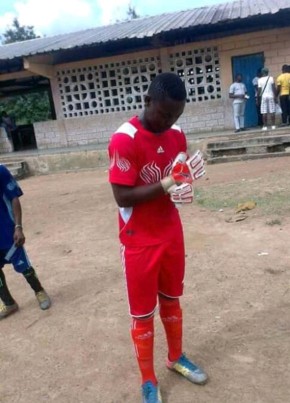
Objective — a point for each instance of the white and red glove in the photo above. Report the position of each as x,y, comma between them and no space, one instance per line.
180,170
196,165
182,194
184,170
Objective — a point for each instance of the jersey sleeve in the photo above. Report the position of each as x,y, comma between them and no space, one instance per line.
232,89
8,184
123,160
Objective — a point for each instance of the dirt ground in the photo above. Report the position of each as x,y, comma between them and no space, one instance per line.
236,303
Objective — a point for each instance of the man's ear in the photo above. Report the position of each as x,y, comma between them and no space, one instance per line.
147,100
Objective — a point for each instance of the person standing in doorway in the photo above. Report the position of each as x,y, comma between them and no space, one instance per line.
238,92
257,97
267,91
11,129
283,92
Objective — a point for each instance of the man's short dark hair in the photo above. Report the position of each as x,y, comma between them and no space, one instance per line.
167,85
285,68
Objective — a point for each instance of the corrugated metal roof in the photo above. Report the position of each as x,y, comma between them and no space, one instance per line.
146,27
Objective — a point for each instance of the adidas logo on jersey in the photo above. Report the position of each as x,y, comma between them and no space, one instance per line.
160,150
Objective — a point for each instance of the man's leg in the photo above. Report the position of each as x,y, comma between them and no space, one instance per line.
142,332
170,289
21,263
273,118
288,110
171,317
236,116
265,119
242,115
5,295
284,107
272,110
141,271
41,295
8,305
260,117
264,112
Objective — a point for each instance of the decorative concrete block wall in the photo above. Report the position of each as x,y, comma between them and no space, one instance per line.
94,97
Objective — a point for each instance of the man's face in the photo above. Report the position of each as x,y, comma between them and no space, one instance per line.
161,115
239,78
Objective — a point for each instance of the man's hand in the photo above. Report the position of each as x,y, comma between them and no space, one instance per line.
18,237
184,170
181,173
182,194
196,165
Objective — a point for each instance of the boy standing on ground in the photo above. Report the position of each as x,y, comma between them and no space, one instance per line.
238,92
283,91
142,152
267,91
11,245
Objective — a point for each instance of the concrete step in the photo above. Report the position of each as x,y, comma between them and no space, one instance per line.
241,142
245,157
18,168
249,146
249,149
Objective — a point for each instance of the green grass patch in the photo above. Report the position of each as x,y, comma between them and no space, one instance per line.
271,196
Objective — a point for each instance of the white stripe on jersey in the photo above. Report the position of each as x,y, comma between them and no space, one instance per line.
126,213
127,128
176,127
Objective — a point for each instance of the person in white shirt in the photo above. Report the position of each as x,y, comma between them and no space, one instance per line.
257,97
267,91
238,92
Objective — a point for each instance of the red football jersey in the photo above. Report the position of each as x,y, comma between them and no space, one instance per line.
139,157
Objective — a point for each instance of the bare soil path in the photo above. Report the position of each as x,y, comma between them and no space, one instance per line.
236,302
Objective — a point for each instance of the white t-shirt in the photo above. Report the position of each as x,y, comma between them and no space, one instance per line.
268,91
238,89
255,83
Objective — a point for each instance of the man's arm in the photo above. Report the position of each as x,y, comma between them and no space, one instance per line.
274,91
129,196
18,236
183,171
236,96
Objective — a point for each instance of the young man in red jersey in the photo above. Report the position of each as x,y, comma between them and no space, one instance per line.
142,153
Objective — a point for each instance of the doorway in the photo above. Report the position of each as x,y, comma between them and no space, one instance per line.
247,66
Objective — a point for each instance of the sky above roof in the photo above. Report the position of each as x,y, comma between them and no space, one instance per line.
51,17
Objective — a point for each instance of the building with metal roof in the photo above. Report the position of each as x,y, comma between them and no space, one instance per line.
98,77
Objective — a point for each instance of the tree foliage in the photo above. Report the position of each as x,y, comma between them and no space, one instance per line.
132,13
31,107
28,108
18,33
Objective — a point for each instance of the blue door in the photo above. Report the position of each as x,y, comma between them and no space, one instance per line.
248,65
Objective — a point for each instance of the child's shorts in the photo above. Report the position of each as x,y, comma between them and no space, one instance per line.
16,256
152,270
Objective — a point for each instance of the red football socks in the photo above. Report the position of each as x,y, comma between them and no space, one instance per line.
142,332
171,316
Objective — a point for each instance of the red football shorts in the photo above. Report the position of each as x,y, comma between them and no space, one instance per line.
151,270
